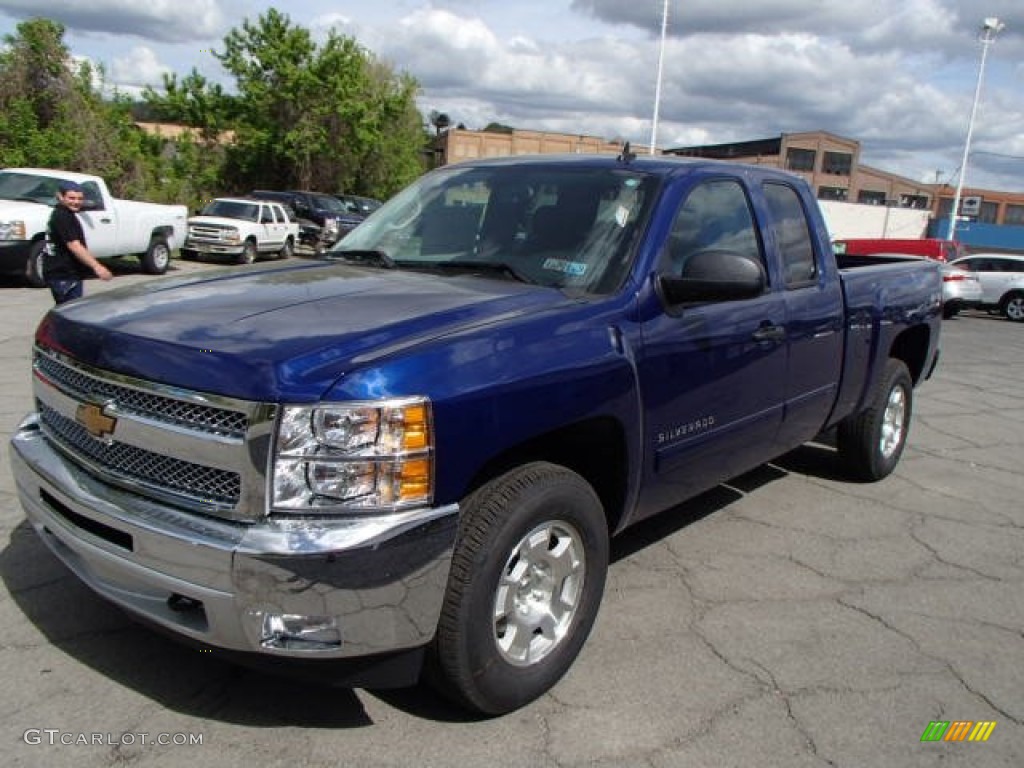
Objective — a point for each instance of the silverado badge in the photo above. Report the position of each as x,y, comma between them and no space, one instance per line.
95,421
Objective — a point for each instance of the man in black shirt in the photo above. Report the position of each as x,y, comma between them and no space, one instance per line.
68,259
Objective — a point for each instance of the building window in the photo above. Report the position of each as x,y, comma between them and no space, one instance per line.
919,202
871,197
837,163
945,206
989,212
832,193
1014,215
800,159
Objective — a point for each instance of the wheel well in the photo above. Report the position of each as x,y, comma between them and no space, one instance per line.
911,347
594,449
162,231
1010,295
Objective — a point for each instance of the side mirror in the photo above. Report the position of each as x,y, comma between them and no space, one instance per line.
713,275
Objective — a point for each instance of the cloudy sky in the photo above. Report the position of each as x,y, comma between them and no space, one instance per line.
897,75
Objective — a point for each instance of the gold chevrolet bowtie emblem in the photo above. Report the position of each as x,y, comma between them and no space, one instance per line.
95,421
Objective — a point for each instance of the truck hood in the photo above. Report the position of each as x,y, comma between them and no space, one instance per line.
219,221
22,209
283,333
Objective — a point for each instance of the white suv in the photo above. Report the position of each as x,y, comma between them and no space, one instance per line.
242,228
1002,281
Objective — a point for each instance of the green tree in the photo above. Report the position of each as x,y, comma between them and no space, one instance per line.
328,116
39,94
53,114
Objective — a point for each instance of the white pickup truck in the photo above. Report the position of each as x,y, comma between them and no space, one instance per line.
112,227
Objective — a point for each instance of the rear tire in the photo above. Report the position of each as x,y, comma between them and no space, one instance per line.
34,266
287,250
1013,307
157,256
525,585
871,442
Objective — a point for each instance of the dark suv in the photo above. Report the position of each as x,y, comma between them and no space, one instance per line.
326,211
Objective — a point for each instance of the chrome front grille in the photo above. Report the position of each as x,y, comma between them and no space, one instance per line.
200,417
193,450
137,465
213,233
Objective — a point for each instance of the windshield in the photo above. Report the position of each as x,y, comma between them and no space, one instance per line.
561,226
28,187
329,203
232,209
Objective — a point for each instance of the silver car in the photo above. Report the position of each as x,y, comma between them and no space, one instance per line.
960,290
1002,281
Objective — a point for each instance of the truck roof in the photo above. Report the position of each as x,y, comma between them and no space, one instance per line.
662,165
69,175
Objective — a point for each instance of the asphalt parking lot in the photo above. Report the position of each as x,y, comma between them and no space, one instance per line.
791,619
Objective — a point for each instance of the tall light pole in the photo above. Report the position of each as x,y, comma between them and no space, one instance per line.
990,27
657,85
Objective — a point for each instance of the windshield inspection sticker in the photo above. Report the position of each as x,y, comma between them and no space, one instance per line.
574,268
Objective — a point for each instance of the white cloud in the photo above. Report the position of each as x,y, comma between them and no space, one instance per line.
178,21
140,67
898,75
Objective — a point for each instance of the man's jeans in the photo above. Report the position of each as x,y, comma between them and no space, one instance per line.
65,290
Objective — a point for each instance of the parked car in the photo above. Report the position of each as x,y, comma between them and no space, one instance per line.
961,290
410,457
310,233
114,227
1002,281
326,211
363,206
241,228
929,247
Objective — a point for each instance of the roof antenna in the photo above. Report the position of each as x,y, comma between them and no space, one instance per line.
627,155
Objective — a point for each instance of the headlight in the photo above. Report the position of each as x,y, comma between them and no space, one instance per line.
353,456
331,226
12,230
232,236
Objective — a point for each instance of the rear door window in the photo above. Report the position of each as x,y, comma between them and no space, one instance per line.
792,235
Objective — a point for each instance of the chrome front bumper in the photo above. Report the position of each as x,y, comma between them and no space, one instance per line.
300,588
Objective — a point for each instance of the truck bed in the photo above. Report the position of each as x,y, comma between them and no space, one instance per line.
883,301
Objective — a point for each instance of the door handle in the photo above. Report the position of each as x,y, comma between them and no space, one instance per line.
770,333
106,221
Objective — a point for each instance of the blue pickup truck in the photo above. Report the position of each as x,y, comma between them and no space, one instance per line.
406,463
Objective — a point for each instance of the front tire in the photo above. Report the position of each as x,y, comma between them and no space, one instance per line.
157,257
249,253
1013,307
871,442
525,585
34,266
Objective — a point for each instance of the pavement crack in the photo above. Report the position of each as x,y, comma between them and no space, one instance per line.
799,727
941,660
935,553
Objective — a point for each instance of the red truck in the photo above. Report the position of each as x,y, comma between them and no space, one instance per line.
929,247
